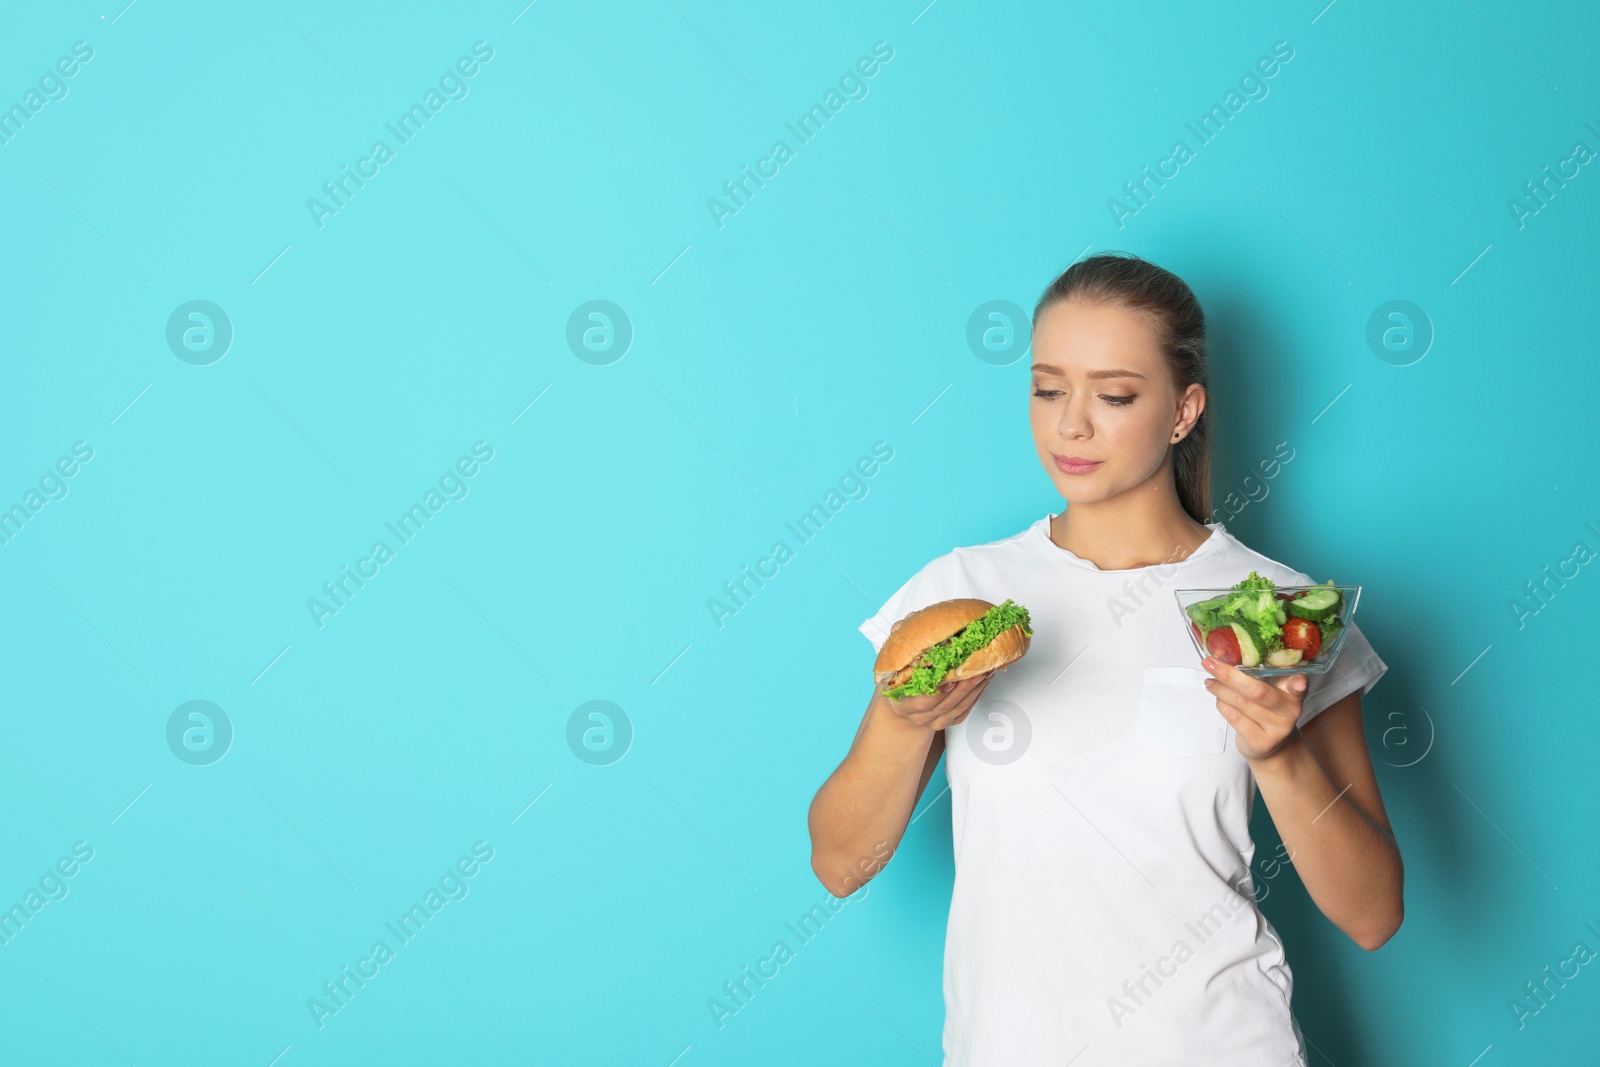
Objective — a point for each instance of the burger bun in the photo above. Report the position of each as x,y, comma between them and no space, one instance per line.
922,629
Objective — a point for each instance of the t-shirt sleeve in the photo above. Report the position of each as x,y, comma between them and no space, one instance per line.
1356,670
920,590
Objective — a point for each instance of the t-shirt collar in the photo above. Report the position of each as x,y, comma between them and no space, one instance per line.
1041,530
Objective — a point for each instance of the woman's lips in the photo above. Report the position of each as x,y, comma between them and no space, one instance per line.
1075,464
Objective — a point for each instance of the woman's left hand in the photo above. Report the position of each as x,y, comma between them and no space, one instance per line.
1263,714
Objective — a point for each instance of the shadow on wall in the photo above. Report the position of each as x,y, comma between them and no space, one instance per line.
1413,771
1415,779
1248,414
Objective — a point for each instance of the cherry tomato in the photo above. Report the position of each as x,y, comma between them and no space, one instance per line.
1223,644
1296,595
1304,635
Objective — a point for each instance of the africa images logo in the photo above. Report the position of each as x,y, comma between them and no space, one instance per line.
1252,85
810,123
452,85
452,885
1137,994
453,484
852,486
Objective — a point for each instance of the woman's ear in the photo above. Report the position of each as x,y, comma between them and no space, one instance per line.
1190,405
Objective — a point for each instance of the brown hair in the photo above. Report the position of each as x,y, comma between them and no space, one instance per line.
1125,280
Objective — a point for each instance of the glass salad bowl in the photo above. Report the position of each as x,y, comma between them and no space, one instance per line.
1270,630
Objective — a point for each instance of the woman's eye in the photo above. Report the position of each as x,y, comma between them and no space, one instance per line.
1118,400
1048,394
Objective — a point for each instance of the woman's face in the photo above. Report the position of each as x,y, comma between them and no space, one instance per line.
1104,408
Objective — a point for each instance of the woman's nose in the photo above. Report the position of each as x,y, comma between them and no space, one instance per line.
1073,423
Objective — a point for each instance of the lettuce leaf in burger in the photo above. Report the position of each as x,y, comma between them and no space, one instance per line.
949,641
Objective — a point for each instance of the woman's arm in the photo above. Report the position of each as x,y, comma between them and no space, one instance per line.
1320,788
859,815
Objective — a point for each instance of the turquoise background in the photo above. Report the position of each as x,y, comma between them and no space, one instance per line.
767,355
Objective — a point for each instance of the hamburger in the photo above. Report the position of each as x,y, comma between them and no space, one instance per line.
949,641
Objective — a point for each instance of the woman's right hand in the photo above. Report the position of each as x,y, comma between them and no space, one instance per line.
948,706
861,812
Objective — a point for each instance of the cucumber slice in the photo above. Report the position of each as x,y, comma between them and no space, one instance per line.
1316,605
1283,657
1249,654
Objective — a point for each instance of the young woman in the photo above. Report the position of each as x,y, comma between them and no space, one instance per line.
1104,904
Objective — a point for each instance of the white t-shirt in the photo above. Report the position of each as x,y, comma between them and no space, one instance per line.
1103,902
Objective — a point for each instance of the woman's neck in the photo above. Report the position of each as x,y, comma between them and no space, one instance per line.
1139,528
